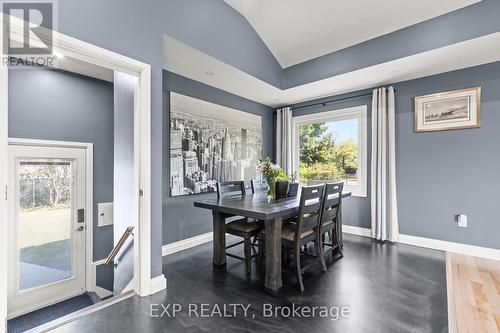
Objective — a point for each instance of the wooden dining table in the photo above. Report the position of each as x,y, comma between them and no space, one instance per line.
257,206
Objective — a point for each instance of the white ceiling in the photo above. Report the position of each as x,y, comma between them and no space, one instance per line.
84,68
189,62
299,30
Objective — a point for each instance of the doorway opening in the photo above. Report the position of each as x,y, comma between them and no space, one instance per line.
52,246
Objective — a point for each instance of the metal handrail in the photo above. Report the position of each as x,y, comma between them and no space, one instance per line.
119,245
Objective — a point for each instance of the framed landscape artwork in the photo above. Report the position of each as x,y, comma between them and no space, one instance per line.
450,110
210,143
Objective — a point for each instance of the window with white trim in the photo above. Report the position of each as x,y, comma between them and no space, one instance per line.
332,146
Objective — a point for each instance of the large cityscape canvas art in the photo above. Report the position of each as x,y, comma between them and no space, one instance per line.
211,143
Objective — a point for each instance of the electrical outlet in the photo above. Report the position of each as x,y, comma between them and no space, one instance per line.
461,220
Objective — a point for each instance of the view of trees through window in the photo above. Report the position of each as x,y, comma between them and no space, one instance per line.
329,151
44,222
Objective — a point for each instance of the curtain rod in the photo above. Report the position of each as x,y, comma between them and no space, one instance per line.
331,101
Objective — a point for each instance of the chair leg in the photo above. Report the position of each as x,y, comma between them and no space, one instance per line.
248,254
337,241
319,252
298,268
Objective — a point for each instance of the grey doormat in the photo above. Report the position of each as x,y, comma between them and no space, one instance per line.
44,315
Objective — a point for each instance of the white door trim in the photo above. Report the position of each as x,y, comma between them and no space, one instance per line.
89,193
70,286
89,53
4,104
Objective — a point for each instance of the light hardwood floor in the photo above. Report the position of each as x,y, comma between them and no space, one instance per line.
473,293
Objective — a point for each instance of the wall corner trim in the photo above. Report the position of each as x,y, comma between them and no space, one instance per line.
158,284
186,243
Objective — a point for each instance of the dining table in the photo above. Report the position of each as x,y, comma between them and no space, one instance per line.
258,206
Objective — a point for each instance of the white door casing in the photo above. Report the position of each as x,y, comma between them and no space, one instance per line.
83,51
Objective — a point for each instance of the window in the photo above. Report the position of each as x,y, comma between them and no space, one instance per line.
332,146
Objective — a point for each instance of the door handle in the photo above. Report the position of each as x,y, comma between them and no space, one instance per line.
80,228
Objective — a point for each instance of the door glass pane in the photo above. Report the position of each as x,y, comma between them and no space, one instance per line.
44,222
329,152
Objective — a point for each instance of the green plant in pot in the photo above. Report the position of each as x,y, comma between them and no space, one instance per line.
282,185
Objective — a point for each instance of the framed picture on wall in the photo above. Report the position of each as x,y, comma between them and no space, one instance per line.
449,110
210,143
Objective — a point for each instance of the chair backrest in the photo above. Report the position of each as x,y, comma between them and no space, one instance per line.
258,185
311,182
230,188
332,199
311,199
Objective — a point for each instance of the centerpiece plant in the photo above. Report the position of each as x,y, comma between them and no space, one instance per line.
272,172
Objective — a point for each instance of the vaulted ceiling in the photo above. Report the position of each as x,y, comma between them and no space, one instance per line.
299,30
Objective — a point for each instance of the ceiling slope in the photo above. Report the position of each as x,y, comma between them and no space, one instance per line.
297,30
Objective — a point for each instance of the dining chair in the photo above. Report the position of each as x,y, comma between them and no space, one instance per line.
301,230
259,185
240,226
332,201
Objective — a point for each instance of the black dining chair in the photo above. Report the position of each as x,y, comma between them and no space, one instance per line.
332,202
240,226
259,185
301,230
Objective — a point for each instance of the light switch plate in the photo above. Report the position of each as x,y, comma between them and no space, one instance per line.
105,214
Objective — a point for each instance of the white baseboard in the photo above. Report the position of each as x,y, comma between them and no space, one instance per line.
186,243
349,229
435,244
466,249
157,284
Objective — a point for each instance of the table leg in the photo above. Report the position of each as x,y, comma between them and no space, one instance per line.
273,281
219,243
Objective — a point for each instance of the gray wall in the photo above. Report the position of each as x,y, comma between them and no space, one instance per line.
135,29
181,219
441,174
124,176
55,105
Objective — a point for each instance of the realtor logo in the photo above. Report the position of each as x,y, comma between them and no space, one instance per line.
38,17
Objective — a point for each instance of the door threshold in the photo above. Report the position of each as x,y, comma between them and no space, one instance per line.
81,313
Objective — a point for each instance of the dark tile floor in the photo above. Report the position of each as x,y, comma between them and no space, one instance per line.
387,288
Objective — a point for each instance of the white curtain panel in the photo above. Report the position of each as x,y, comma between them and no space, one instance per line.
284,139
384,208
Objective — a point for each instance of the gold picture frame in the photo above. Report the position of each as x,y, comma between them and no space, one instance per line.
446,111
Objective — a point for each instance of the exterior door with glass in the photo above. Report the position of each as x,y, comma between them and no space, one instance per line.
46,226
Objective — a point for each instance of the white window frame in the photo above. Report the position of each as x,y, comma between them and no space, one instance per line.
358,112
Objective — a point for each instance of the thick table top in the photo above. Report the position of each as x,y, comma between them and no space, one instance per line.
254,205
